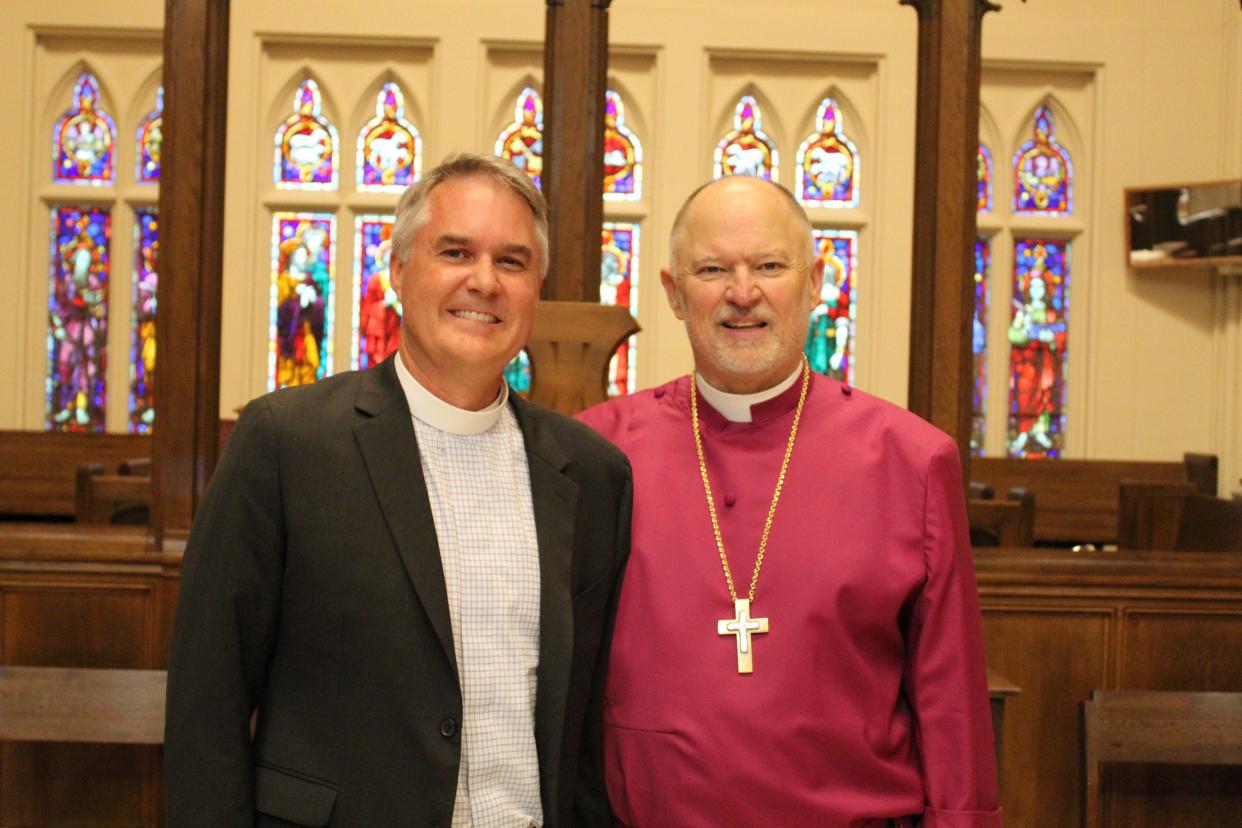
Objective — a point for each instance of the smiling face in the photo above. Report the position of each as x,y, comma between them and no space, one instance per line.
743,281
469,285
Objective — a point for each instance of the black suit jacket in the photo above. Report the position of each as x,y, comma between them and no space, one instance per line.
312,592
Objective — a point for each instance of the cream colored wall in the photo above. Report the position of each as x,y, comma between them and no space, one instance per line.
1144,93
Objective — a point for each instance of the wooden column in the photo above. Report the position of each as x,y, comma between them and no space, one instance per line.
941,363
187,376
575,68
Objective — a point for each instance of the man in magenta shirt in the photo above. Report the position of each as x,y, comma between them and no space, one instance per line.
798,640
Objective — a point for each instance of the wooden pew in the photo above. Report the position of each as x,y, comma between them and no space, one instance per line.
38,470
1009,522
1078,500
1156,516
112,498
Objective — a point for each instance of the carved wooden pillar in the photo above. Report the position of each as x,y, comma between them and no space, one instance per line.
191,219
575,68
941,363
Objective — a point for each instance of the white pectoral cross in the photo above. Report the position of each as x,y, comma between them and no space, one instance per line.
742,625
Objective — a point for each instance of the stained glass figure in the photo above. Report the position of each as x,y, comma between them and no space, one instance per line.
77,337
377,310
142,321
300,339
84,139
390,150
522,141
517,373
830,340
306,144
746,150
618,285
983,201
150,138
828,163
1037,337
1042,173
623,154
979,346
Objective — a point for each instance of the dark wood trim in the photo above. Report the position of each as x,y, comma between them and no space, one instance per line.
190,259
575,71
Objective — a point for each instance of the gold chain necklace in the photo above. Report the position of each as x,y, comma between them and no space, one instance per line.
741,625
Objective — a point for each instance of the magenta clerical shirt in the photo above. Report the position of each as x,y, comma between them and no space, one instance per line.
868,701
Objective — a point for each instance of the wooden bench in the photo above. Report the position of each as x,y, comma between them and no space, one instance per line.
1009,522
1159,516
122,498
1078,500
58,704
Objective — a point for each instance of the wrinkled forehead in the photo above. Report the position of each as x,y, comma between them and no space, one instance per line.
740,220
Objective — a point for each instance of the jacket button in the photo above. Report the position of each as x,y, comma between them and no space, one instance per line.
448,728
730,500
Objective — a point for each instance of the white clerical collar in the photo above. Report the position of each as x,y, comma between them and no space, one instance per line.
436,413
736,407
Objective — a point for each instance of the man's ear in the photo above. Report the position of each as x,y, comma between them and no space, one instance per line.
673,292
817,280
396,270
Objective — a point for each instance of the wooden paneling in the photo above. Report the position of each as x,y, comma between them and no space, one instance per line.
37,469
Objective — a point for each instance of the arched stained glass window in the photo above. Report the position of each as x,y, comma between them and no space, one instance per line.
390,150
979,345
983,200
306,144
84,139
142,324
517,372
150,137
828,163
377,310
300,336
522,141
746,150
830,340
1038,333
77,337
618,285
623,154
1042,172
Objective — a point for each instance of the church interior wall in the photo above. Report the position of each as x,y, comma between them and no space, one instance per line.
1143,94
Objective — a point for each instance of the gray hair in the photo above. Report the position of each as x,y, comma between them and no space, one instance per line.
795,210
412,208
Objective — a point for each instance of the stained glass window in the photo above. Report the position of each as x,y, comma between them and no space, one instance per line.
828,162
150,138
1037,337
142,321
300,337
77,337
830,340
979,346
522,141
1043,175
618,285
517,372
377,310
390,150
84,138
623,154
306,144
746,150
983,201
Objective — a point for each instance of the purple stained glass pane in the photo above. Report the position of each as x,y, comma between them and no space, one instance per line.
300,339
983,200
1042,172
830,340
828,163
522,141
306,144
150,138
979,346
1038,334
618,285
746,150
623,154
142,329
77,339
377,310
390,149
84,139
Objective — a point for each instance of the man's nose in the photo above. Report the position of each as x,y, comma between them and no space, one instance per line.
484,277
742,288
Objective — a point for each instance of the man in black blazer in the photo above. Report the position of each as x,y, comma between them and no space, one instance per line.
317,674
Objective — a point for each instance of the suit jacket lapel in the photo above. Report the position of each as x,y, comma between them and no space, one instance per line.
390,450
555,500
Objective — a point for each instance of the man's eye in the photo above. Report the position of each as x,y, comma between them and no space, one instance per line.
453,253
772,267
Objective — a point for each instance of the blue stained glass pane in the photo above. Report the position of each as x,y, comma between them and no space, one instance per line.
1038,337
522,141
623,154
618,285
142,329
979,346
150,141
390,150
300,338
746,150
306,144
1042,172
377,310
828,163
830,340
84,139
77,339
